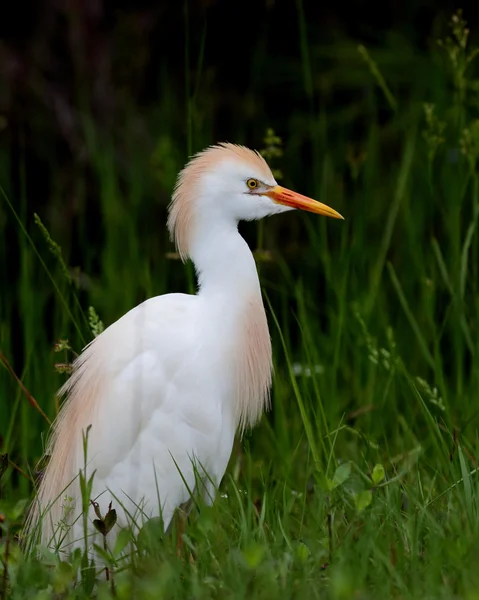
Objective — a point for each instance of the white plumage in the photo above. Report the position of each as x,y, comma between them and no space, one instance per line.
166,386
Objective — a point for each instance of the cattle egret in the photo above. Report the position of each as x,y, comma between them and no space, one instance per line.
166,387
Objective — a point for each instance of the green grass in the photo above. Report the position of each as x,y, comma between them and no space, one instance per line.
361,483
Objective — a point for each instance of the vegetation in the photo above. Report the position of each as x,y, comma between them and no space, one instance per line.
362,481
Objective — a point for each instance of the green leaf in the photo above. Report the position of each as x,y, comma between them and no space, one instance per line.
151,534
88,574
378,474
19,509
63,575
121,542
302,552
340,476
363,499
253,555
13,512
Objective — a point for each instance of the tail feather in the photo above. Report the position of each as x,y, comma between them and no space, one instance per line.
58,496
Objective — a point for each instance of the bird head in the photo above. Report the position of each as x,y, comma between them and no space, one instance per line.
229,183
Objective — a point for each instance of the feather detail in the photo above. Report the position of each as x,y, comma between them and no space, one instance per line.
254,367
81,391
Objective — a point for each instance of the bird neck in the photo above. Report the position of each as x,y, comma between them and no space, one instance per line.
229,284
224,263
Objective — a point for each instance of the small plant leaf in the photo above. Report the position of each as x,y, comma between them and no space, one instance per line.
88,573
61,345
100,526
340,476
378,474
110,520
363,499
63,575
253,555
96,325
121,542
18,509
302,552
150,535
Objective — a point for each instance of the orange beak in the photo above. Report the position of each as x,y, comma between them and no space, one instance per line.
286,197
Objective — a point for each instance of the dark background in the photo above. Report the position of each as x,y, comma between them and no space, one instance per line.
112,59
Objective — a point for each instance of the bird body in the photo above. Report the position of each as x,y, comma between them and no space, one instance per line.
164,389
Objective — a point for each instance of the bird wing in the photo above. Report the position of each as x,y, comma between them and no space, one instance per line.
145,388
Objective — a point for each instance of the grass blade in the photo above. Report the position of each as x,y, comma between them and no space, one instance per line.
410,317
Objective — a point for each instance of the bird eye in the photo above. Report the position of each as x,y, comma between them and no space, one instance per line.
252,184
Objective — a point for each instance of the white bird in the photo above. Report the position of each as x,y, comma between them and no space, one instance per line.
166,387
